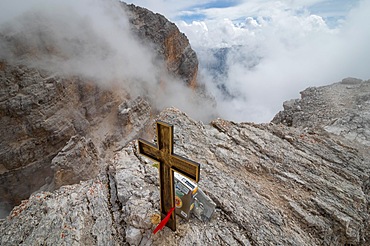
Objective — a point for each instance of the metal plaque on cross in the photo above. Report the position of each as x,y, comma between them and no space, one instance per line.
168,163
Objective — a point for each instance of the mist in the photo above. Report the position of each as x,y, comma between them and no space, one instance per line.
268,56
91,39
275,53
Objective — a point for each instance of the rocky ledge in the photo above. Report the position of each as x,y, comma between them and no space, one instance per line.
342,108
272,184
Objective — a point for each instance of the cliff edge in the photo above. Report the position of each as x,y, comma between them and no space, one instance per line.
69,160
56,128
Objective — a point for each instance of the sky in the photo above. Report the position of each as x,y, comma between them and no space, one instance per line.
272,49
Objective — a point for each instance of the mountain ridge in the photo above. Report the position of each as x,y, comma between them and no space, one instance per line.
71,164
43,111
271,183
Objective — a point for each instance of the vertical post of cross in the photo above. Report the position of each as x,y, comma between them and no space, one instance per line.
168,162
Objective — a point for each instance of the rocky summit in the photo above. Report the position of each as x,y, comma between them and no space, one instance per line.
71,174
272,184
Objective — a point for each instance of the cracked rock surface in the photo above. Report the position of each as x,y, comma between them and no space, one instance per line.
169,43
57,128
273,185
68,159
342,108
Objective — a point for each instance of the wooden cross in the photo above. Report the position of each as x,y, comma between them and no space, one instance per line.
168,163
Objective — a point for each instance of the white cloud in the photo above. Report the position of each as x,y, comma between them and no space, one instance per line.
277,48
168,8
294,49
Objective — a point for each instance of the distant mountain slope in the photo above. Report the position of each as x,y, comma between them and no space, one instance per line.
171,45
342,108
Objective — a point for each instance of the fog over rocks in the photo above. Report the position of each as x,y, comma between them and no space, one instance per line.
69,160
79,76
110,43
275,49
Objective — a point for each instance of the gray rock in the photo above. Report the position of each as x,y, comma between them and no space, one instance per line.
351,80
170,44
78,160
39,115
40,112
310,189
73,215
303,182
133,236
342,108
132,114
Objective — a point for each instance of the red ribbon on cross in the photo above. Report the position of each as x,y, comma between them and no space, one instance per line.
164,221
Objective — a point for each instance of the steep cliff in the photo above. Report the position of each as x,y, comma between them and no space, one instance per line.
171,45
302,180
39,115
56,129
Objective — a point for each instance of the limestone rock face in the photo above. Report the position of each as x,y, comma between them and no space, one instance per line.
71,215
132,113
272,184
342,108
39,114
69,160
58,128
78,160
61,127
169,42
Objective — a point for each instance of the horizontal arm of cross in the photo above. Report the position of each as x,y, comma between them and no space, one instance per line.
162,152
149,150
185,167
